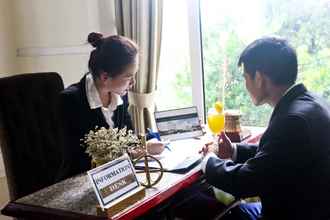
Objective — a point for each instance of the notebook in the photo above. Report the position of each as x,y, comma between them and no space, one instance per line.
182,156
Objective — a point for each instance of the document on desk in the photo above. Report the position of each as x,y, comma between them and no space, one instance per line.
178,156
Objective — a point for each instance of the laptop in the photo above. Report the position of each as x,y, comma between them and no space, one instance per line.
177,124
183,130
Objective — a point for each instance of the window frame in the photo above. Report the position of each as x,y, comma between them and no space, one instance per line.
196,57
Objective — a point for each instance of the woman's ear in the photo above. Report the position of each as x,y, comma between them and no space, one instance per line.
104,76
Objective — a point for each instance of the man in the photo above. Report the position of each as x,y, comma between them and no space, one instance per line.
290,168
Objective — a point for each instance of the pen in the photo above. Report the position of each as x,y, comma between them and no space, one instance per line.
167,147
167,143
152,134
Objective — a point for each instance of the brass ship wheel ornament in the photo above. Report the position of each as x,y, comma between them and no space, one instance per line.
150,180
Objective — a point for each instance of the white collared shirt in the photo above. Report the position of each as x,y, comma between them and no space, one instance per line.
94,100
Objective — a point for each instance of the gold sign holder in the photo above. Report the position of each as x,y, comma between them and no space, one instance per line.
121,203
124,203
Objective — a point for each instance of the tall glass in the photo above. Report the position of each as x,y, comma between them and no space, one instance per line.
216,121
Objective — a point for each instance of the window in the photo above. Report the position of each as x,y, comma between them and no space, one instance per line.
227,28
212,34
174,87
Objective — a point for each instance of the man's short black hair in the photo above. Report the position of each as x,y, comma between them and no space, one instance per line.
273,57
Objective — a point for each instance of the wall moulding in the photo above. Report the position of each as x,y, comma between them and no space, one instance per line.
53,51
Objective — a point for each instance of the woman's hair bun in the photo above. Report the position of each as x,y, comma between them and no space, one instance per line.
95,39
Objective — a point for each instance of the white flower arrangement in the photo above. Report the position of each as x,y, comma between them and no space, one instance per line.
104,145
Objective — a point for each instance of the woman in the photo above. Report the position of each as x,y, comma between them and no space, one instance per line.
99,99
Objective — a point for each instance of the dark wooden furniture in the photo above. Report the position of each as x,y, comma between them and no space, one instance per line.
30,131
74,198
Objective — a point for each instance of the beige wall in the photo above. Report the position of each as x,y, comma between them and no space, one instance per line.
3,196
7,66
49,35
47,25
7,40
38,28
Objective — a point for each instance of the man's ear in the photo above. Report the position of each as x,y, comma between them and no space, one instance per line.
259,79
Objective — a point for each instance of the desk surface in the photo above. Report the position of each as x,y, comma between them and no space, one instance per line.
74,197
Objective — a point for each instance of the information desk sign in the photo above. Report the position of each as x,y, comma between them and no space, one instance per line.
116,185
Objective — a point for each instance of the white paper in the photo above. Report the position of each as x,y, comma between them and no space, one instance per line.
178,152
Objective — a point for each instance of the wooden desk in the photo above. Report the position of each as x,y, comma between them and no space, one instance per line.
74,198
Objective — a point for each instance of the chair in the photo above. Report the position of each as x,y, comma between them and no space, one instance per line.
30,135
227,210
197,202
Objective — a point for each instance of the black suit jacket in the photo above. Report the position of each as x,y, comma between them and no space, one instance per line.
290,168
78,120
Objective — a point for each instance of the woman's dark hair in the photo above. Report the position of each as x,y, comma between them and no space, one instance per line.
111,54
273,57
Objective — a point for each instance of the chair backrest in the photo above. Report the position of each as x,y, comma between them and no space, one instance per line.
30,131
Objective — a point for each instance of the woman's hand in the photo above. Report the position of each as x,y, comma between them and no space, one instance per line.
155,146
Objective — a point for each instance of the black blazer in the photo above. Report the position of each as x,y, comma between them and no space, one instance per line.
79,119
290,168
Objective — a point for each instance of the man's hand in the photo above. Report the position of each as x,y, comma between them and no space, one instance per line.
225,148
208,147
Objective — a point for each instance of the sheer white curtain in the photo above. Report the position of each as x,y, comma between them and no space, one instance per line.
141,21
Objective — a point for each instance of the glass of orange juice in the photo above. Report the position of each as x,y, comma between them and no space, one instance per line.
216,119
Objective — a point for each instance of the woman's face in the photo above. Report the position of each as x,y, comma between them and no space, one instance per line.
121,83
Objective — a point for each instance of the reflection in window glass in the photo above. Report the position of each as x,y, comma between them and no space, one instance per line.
174,79
227,29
